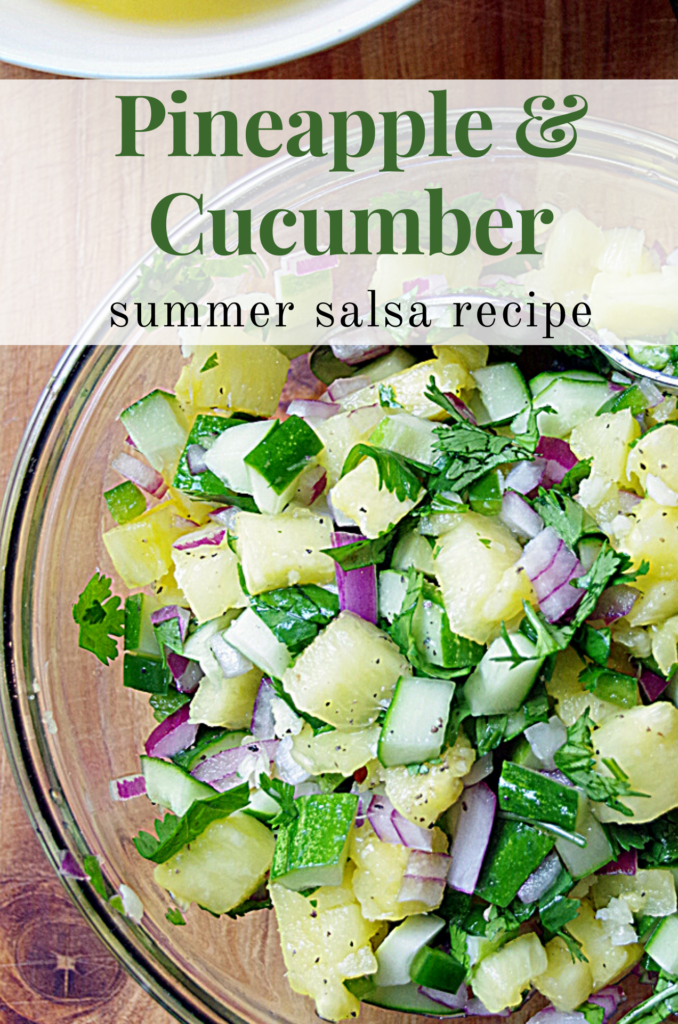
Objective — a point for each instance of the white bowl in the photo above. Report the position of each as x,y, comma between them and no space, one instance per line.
53,36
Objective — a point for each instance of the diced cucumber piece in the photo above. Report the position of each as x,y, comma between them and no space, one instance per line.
663,944
312,849
516,849
630,398
539,383
165,704
170,786
146,673
413,551
198,644
485,495
655,357
251,636
435,969
262,806
205,486
378,370
522,754
408,436
584,860
158,428
502,391
531,795
498,686
573,401
211,743
399,948
392,590
125,502
278,460
435,640
405,998
226,457
139,632
416,720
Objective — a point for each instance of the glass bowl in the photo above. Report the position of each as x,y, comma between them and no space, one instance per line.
68,723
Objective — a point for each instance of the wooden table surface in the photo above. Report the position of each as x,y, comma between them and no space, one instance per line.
499,39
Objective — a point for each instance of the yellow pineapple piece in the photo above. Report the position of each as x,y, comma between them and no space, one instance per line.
571,256
607,963
654,538
223,866
565,982
640,305
394,270
342,432
409,387
466,351
141,550
501,978
282,550
665,644
658,602
623,252
422,798
650,891
373,507
347,674
569,693
197,511
226,702
606,439
339,751
245,378
208,576
324,940
656,455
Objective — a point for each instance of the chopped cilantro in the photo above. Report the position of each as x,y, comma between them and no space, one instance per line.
248,906
295,615
283,794
173,832
174,916
210,363
92,869
566,516
100,619
395,473
360,553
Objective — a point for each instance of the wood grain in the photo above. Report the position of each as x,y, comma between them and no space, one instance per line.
459,39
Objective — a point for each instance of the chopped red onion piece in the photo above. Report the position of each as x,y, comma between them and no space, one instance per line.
356,353
195,459
175,733
312,484
559,459
357,587
313,409
413,837
210,536
614,603
127,788
423,890
520,517
525,477
658,254
480,770
225,516
461,407
227,762
609,998
651,392
172,611
478,805
231,662
189,680
226,782
545,738
263,722
454,1000
342,387
625,864
551,566
379,815
177,665
540,880
474,1008
70,868
140,474
288,769
653,684
564,598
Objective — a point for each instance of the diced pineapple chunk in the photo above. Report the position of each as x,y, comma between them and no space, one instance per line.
606,440
571,256
167,590
641,305
223,866
373,507
569,693
340,433
656,454
658,601
394,270
379,870
347,675
409,387
422,798
566,982
607,963
501,978
279,551
475,566
197,511
651,891
665,644
644,743
208,576
622,251
324,941
141,550
226,702
244,378
654,538
600,497
466,351
338,751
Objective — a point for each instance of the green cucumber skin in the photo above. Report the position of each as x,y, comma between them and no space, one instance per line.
663,944
531,795
317,839
145,673
420,706
435,969
406,998
139,632
485,495
204,486
284,453
516,850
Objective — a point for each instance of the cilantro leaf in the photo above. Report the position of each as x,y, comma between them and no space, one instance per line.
210,363
92,869
362,552
100,619
610,568
295,615
570,482
247,906
283,793
387,398
395,473
173,832
566,516
174,916
575,759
